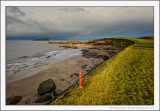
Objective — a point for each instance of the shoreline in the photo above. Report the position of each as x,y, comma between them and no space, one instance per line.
23,71
64,74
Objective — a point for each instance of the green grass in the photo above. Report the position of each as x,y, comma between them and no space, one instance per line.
125,79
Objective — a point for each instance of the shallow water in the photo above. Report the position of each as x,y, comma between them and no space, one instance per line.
16,49
22,54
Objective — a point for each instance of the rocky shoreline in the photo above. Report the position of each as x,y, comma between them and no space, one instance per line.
64,78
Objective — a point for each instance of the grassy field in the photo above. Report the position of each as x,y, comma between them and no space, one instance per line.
125,79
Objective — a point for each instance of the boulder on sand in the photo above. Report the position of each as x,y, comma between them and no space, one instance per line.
47,86
57,92
99,56
44,98
105,57
13,100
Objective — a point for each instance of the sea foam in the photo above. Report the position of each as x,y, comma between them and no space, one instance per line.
55,56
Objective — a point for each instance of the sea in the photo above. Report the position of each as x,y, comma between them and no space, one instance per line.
20,54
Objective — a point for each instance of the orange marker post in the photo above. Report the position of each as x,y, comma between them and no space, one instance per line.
125,47
135,42
80,84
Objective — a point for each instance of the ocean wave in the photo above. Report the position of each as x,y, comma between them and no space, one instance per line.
52,55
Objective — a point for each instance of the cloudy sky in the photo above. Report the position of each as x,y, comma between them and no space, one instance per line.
78,23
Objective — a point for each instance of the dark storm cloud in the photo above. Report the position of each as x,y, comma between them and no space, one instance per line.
16,11
13,20
62,23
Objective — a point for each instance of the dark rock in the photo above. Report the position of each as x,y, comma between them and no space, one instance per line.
105,58
100,56
71,75
110,48
48,56
44,98
87,70
112,53
57,92
50,101
88,54
75,47
47,86
96,64
24,57
84,50
76,74
84,66
26,102
62,79
13,100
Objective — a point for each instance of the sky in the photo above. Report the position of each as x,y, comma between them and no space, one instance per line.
78,23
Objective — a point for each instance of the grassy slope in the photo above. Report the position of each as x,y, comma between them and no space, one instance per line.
127,78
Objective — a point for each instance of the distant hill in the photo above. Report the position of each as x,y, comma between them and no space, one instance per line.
44,39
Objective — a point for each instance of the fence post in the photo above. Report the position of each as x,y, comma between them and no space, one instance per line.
80,84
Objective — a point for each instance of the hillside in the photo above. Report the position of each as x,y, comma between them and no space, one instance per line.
125,79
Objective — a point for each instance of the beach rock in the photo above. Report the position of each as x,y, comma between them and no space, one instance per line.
13,100
48,56
89,54
24,57
57,92
44,98
47,86
62,79
112,53
76,74
84,50
71,75
87,70
68,46
110,48
49,102
105,57
100,56
84,66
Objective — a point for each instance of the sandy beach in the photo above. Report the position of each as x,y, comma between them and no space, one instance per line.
64,75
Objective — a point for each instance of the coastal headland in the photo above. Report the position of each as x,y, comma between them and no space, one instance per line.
65,74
